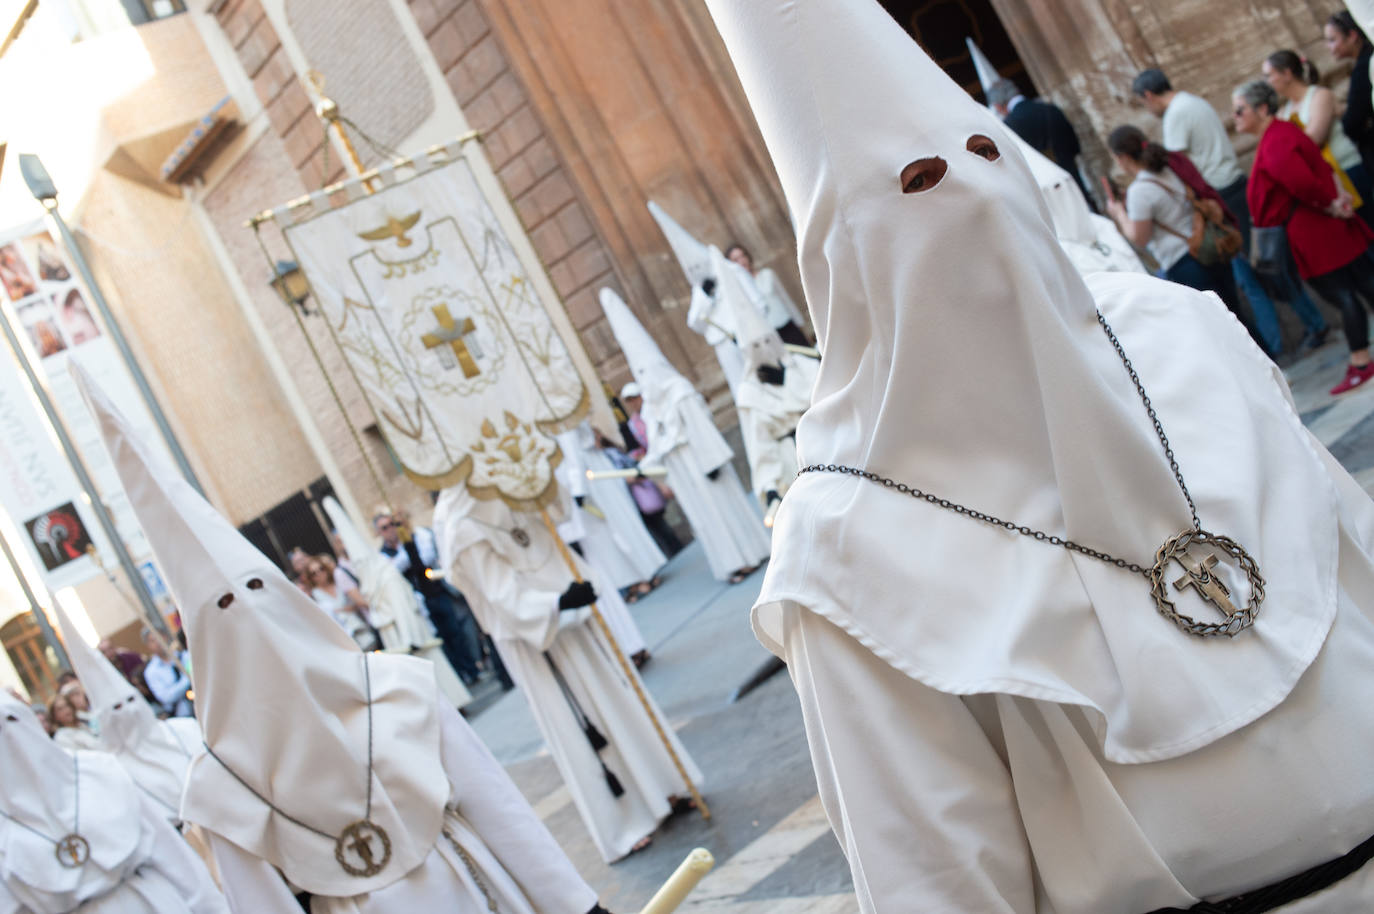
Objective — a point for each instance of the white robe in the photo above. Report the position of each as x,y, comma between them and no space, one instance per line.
722,516
778,305
157,762
160,875
519,608
768,416
993,802
713,323
521,865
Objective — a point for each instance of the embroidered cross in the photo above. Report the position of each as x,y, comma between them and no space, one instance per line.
452,333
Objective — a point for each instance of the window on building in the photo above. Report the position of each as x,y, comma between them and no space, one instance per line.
34,660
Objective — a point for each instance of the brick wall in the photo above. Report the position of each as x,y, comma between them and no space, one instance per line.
528,166
280,91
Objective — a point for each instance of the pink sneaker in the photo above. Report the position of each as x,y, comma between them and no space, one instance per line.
1355,376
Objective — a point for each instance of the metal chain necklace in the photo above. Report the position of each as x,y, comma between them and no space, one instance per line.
1198,571
356,838
516,532
71,850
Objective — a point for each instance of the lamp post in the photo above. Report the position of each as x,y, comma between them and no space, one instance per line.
290,283
45,192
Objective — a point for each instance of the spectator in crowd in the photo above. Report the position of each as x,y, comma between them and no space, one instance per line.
1313,108
1157,214
1346,41
417,558
1292,185
779,310
649,494
300,576
127,662
68,730
345,604
166,677
1041,124
1192,127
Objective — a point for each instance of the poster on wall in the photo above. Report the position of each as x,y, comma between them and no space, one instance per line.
52,312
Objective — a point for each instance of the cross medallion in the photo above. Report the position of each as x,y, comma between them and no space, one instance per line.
72,851
453,334
1201,578
357,839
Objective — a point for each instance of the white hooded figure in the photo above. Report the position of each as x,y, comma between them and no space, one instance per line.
326,770
704,316
586,526
773,393
77,835
621,778
155,753
1092,242
618,542
684,440
393,608
999,723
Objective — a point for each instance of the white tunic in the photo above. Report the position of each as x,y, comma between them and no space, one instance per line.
521,866
515,598
768,416
687,444
612,532
778,305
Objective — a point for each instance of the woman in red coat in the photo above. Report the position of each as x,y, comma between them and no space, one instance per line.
1291,185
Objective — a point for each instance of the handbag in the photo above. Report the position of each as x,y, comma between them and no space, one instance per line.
1269,249
1213,240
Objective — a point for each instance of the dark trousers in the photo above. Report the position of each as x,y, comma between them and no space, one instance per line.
456,626
1345,287
1289,286
662,533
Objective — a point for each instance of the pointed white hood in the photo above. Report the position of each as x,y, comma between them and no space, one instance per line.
281,693
987,73
660,384
125,718
758,342
963,356
693,256
155,753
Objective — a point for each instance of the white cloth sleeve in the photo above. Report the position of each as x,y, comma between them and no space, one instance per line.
702,317
770,285
501,816
507,609
917,795
252,885
174,859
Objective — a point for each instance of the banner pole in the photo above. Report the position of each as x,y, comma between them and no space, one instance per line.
627,669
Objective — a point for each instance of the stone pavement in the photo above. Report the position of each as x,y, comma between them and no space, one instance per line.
774,851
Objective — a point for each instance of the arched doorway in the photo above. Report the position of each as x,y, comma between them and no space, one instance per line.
34,660
940,27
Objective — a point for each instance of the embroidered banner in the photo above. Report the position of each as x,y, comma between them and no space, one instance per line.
446,332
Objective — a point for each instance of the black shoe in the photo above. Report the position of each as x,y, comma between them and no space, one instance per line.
1314,339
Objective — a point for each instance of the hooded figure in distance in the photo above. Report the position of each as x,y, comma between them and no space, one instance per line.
772,395
77,835
684,440
1000,723
155,753
326,770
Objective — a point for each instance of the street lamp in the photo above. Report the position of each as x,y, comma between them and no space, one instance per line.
290,282
41,185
